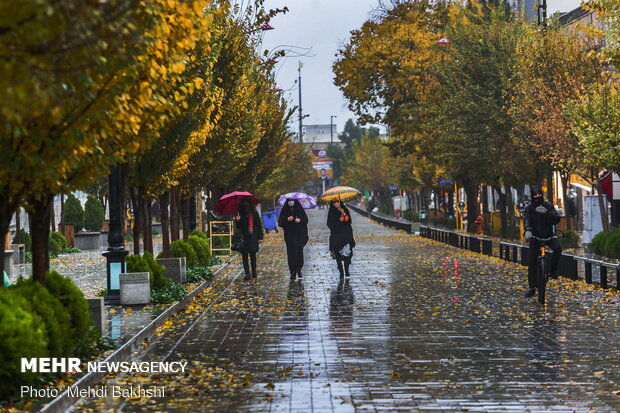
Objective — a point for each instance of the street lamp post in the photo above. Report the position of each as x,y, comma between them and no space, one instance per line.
331,127
115,255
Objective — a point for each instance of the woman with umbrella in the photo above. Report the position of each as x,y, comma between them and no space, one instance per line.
249,224
294,222
341,242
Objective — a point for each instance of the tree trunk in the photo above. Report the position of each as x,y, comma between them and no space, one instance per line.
124,172
62,209
7,208
174,214
164,200
550,186
137,206
185,213
601,203
471,191
147,225
53,217
18,227
569,220
510,210
502,210
40,232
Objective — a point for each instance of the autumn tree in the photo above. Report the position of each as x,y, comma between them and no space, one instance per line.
98,74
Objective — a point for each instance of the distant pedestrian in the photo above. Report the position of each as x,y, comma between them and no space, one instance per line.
341,242
294,222
249,223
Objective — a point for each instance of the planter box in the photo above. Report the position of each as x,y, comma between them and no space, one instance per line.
19,253
135,288
68,231
103,238
8,262
88,241
96,310
175,268
157,227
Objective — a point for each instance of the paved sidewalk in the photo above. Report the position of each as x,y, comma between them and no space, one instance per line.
418,327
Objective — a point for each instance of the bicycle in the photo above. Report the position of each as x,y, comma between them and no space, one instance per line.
543,267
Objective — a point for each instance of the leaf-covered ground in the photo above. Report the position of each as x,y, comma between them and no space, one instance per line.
419,327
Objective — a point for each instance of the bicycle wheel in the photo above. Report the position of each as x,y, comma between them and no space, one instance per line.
541,280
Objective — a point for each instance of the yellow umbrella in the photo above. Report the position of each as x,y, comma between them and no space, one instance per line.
342,193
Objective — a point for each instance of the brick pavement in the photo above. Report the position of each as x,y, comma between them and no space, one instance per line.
418,327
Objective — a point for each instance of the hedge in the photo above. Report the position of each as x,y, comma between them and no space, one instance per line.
74,213
94,214
181,248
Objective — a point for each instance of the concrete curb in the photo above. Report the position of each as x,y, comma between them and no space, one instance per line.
64,401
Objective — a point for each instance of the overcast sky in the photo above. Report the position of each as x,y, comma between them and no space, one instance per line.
323,25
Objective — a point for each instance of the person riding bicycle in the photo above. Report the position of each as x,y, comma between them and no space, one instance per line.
540,217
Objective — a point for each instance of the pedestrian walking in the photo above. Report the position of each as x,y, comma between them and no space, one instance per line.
249,225
294,222
341,242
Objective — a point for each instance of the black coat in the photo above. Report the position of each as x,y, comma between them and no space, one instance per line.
341,232
250,239
541,225
294,232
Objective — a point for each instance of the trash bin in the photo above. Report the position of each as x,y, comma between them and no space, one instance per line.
278,210
270,221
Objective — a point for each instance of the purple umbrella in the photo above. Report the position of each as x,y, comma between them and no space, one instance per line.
306,201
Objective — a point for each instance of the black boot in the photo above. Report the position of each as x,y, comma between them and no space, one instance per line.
530,293
292,275
299,274
346,268
340,270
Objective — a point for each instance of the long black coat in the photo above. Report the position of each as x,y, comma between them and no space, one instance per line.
341,232
541,225
250,239
294,233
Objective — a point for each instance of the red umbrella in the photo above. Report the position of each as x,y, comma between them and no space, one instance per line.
229,203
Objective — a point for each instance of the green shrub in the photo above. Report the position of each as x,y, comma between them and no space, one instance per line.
135,263
94,214
71,250
410,216
158,272
60,239
181,248
28,256
611,246
171,292
221,242
607,243
73,300
74,213
201,247
52,313
22,334
214,261
92,344
57,243
198,274
23,238
570,239
597,243
200,234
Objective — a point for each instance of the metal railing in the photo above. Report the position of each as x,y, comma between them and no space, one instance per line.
459,240
394,223
567,267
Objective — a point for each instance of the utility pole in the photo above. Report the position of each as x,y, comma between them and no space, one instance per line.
301,139
331,127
